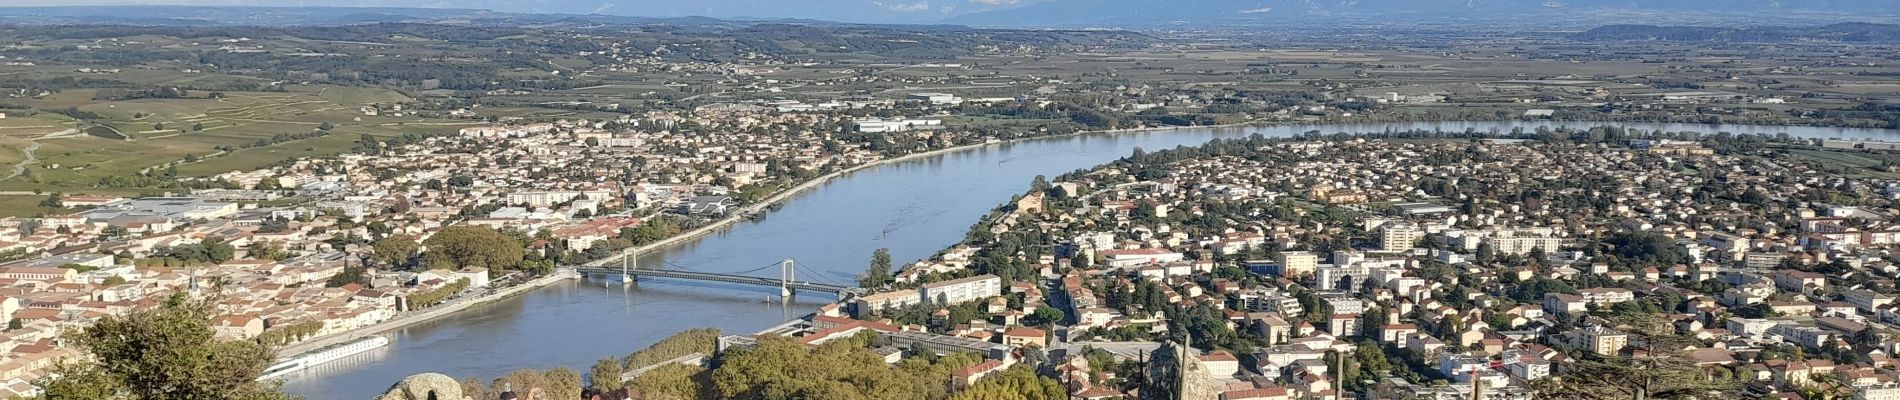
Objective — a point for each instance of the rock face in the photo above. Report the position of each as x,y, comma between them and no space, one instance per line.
429,386
1173,373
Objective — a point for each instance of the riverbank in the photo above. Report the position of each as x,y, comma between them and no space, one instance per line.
426,315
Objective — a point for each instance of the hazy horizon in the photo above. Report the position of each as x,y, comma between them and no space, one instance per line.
1083,12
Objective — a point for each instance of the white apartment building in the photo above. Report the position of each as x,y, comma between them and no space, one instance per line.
962,290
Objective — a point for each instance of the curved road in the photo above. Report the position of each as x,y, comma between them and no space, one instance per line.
31,158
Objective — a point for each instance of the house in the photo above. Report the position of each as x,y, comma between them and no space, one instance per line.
1136,257
39,274
961,290
873,303
1220,364
1560,303
240,327
1343,325
1272,393
1603,341
967,376
1023,337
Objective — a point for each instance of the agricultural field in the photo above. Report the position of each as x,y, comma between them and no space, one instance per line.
227,130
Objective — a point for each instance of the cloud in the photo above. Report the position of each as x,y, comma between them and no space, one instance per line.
996,2
1261,10
603,7
920,6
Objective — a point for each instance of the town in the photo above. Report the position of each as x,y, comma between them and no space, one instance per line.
1415,265
1524,211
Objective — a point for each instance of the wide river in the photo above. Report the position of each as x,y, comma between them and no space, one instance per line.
915,208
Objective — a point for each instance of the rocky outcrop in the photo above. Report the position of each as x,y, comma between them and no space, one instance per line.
429,386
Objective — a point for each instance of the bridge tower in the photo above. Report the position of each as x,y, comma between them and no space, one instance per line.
626,268
786,275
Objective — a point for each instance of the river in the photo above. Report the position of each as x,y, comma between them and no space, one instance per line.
915,208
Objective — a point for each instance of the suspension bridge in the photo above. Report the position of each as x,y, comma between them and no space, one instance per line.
787,280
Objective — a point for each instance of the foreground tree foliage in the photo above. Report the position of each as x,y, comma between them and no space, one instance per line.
605,376
779,368
1017,383
166,353
700,340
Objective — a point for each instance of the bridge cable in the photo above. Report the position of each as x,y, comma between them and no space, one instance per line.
740,273
818,276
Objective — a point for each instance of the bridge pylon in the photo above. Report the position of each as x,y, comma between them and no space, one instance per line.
786,275
626,269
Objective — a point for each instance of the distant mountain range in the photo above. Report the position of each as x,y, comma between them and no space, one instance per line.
1844,32
1134,12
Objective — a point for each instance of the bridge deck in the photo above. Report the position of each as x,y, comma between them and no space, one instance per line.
739,279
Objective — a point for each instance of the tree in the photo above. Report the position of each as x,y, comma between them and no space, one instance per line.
879,273
356,275
217,250
394,250
472,246
1048,315
1039,184
1485,253
605,377
266,250
170,352
563,383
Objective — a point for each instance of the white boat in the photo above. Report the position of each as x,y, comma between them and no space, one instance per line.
319,356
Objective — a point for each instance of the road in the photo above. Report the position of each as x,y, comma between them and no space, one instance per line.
31,158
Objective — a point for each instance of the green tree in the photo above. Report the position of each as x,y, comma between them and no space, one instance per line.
356,275
395,250
217,250
879,273
1048,315
563,383
1039,184
1019,383
266,250
605,376
472,246
170,352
